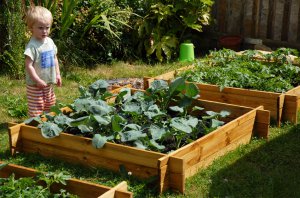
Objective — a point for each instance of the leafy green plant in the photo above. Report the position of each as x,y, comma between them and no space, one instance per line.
158,119
101,26
12,39
272,72
16,107
31,187
165,23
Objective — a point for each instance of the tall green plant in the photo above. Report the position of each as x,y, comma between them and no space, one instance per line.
13,37
103,23
49,4
165,24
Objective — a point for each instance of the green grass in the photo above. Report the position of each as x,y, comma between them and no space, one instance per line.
259,169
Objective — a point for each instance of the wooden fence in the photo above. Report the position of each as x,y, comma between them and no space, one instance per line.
276,22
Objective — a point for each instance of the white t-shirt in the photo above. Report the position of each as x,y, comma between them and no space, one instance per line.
43,56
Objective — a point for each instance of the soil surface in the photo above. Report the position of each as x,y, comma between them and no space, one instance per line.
136,83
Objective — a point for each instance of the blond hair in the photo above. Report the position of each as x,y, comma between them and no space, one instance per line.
36,14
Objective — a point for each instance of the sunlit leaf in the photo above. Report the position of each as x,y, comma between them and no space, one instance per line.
98,141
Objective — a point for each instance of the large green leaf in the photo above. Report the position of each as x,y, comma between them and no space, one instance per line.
139,144
156,145
158,85
83,104
102,120
132,108
85,128
62,120
50,130
98,87
134,133
80,121
98,141
153,111
191,90
216,123
224,113
117,122
100,109
181,124
177,85
34,121
177,109
156,132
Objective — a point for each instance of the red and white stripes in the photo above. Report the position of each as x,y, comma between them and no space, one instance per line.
39,99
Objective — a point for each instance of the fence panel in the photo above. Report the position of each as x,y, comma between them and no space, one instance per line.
272,20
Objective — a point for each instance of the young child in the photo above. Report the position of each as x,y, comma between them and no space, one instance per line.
41,64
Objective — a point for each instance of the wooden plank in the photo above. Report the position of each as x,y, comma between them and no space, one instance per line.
262,124
177,182
74,186
222,139
14,138
294,91
207,161
234,16
235,110
271,19
87,159
293,21
263,20
255,18
298,32
222,16
164,179
286,19
279,6
177,177
80,144
291,108
247,23
112,192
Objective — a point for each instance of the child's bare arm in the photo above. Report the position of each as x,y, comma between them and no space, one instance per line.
58,77
31,71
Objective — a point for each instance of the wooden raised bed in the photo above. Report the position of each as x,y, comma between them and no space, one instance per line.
172,169
282,107
77,187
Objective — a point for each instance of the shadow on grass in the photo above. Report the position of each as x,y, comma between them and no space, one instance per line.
272,170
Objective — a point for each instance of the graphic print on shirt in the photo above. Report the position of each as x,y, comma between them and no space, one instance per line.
47,59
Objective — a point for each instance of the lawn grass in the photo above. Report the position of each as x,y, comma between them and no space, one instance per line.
259,169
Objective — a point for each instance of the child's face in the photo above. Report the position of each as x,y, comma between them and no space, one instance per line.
41,29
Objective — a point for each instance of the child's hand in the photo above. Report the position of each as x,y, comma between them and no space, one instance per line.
41,84
58,80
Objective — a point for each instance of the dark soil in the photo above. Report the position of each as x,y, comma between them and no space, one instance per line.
136,83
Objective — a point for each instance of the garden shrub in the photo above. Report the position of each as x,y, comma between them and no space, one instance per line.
165,23
13,38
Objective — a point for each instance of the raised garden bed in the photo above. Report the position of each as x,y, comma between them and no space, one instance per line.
282,106
170,170
74,186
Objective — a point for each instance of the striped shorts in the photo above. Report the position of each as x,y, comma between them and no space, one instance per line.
39,99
